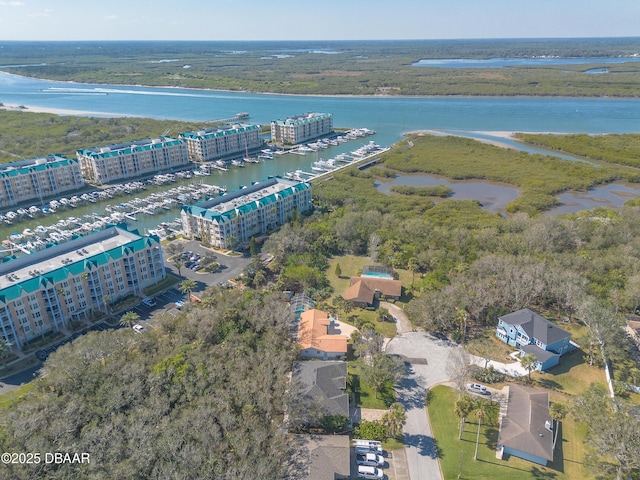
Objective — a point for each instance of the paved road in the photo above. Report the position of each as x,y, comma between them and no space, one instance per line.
427,358
13,381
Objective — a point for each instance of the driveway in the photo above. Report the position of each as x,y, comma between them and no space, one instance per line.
513,369
426,359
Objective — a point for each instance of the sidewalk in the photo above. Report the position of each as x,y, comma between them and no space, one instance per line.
513,369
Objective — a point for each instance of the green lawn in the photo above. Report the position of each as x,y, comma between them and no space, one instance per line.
365,396
445,426
572,376
9,398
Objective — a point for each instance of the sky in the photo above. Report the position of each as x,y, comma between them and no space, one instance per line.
315,20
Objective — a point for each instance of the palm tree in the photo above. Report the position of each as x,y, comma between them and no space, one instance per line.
557,411
187,286
481,410
178,264
529,363
463,407
394,419
129,319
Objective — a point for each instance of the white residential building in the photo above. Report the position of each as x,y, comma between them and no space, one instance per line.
130,160
221,142
237,216
38,178
299,129
46,290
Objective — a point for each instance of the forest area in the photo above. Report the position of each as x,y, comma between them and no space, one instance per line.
335,67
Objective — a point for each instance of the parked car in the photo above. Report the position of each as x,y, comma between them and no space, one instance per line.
369,472
370,459
149,302
138,328
179,304
363,450
366,446
477,388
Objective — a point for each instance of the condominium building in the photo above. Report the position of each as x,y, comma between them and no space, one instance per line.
236,217
301,128
133,159
221,142
38,178
46,290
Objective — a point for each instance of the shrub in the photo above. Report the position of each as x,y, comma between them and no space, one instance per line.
488,375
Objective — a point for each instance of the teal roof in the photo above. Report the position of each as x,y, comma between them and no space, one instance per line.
207,211
304,118
80,265
218,132
27,166
128,148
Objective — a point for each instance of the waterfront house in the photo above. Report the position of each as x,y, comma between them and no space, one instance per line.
526,430
317,338
535,335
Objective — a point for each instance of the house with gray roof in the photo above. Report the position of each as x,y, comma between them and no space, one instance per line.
526,430
325,457
323,385
535,335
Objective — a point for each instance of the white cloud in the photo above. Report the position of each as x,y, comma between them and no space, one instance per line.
111,17
11,4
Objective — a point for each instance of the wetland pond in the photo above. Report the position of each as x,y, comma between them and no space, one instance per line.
495,197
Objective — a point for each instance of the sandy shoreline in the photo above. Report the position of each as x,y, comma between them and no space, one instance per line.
56,111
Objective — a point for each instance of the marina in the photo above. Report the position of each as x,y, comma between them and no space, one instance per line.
156,201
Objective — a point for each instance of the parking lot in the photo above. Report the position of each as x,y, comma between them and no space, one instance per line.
230,266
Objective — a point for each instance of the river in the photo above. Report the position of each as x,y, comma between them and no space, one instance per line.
390,117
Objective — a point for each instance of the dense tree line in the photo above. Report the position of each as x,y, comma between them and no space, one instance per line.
201,397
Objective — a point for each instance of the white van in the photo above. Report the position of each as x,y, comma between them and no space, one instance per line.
370,459
365,446
369,472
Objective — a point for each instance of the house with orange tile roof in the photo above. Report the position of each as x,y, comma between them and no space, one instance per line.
317,338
